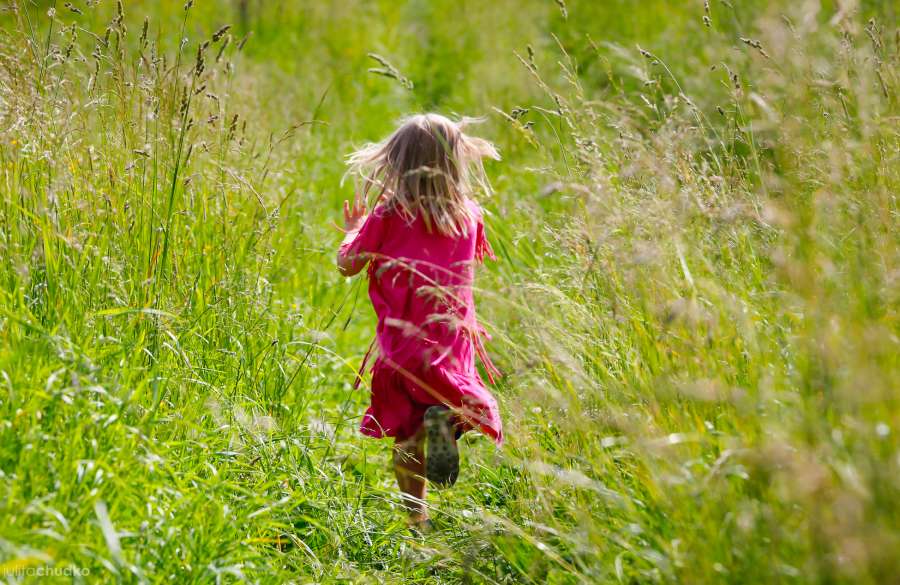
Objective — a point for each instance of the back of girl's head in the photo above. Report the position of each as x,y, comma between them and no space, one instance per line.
428,167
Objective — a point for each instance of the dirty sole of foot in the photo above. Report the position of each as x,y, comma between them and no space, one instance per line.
442,458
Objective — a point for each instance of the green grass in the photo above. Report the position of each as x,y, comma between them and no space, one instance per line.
695,304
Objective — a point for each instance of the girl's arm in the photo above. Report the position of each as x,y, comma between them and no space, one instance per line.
350,264
354,218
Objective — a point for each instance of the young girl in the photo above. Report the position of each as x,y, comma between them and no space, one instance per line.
421,241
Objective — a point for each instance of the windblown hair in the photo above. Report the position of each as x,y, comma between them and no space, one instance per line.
428,167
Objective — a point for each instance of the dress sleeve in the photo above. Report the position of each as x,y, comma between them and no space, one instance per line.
368,239
482,246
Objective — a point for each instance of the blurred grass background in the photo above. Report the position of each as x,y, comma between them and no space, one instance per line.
695,304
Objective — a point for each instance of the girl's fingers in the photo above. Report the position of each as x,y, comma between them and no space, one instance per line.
356,212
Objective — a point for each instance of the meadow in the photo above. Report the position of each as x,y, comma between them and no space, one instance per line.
695,303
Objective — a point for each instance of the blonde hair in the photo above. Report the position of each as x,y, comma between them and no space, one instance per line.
428,167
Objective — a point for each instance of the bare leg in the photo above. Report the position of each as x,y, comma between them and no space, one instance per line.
409,467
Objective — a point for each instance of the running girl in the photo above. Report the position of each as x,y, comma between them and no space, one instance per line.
420,243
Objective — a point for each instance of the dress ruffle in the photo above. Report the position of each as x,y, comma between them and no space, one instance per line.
400,398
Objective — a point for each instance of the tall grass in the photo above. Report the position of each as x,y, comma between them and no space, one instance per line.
714,359
695,305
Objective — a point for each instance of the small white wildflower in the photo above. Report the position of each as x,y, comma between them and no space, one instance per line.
610,441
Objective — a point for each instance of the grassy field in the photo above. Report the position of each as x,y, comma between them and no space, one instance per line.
696,303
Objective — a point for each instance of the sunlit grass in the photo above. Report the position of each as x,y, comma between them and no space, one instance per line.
695,303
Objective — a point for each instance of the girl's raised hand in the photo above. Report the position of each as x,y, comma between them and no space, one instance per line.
355,215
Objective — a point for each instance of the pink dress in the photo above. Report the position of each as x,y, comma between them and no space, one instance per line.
420,284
